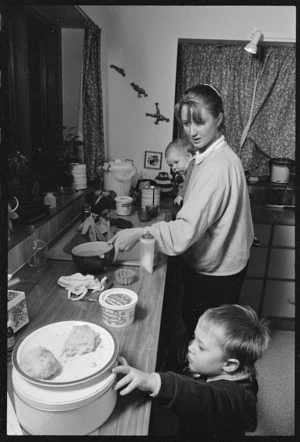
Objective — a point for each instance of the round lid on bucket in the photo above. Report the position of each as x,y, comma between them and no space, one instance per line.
76,369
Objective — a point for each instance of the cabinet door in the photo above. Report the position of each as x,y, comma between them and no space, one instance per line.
284,236
278,299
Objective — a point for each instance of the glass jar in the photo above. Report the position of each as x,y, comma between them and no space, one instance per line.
37,249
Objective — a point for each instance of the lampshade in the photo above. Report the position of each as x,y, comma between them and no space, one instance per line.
252,46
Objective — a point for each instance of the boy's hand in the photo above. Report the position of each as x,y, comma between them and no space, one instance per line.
134,378
178,200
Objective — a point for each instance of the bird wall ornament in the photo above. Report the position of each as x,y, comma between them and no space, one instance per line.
120,70
139,90
159,117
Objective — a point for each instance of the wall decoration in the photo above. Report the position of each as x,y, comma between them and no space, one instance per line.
152,160
159,117
139,90
120,70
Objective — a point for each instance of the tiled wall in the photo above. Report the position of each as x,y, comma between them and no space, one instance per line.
48,231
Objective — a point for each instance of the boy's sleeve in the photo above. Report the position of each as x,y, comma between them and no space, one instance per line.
220,404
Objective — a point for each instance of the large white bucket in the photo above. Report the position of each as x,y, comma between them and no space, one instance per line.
118,176
79,173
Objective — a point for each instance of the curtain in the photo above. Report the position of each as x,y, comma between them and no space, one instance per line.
235,73
92,109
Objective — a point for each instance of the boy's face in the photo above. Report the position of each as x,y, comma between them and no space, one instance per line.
204,354
178,161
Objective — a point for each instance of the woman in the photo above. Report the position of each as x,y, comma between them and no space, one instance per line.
213,231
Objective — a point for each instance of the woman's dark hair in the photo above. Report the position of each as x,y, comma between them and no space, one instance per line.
205,95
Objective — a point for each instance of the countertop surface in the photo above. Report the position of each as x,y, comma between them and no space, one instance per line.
47,302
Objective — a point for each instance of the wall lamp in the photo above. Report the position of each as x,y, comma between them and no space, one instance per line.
252,46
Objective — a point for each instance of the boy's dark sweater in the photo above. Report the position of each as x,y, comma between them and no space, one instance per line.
221,408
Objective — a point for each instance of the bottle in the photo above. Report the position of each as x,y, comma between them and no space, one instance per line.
86,211
50,200
38,249
10,338
147,244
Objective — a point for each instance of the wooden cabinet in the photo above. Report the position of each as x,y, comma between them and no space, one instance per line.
269,287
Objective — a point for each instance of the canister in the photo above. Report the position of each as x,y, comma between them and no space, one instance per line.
150,196
280,170
123,205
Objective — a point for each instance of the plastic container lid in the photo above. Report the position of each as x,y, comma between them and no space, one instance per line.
118,299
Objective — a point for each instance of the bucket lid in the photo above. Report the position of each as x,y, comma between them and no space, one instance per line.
60,399
76,370
118,165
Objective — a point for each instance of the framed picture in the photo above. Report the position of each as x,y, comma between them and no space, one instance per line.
152,160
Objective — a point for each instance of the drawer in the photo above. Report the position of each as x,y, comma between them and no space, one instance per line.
251,293
276,299
282,264
284,236
257,262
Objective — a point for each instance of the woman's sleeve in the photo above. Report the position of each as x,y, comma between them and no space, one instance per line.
204,204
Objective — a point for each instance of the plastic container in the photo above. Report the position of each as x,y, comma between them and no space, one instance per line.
76,410
147,245
76,401
118,176
123,205
118,307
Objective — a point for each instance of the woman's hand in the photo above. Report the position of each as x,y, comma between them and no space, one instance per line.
133,378
125,239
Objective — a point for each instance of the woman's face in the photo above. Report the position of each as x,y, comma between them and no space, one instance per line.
201,133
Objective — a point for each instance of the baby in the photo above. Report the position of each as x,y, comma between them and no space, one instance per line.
179,155
215,395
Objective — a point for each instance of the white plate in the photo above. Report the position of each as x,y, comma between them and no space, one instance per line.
75,369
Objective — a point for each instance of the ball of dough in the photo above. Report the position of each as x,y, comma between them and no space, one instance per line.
82,339
40,363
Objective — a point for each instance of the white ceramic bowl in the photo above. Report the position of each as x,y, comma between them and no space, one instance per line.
118,307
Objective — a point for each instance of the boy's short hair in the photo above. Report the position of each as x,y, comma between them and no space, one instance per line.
239,333
181,145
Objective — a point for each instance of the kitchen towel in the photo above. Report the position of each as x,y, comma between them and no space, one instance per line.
78,285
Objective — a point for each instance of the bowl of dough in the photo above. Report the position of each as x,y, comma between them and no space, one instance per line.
92,257
62,379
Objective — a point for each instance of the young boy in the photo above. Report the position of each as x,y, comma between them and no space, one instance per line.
217,396
179,155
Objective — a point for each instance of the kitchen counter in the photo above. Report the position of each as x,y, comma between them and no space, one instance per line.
47,302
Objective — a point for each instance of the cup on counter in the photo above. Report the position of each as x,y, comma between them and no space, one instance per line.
143,214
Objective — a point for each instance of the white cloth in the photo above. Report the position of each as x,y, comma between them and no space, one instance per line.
213,230
79,285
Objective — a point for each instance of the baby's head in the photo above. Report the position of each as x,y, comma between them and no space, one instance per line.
228,340
178,154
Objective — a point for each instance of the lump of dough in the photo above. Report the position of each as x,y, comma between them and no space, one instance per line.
40,363
82,339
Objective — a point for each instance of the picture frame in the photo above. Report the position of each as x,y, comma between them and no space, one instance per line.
152,160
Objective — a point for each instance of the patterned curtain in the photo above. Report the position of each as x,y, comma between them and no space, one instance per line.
92,118
235,73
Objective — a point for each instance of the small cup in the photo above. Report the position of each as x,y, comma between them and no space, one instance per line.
124,276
